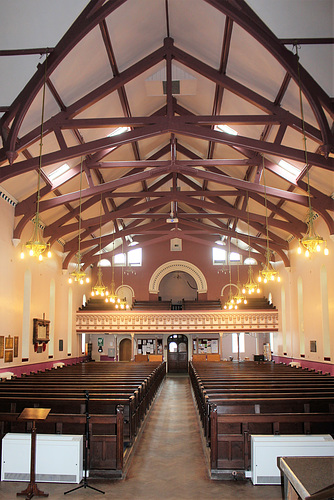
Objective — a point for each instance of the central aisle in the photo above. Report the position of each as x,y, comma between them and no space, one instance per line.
169,462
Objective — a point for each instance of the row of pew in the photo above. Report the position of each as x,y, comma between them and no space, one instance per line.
237,400
116,397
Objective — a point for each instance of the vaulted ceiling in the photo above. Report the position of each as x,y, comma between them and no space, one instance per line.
138,95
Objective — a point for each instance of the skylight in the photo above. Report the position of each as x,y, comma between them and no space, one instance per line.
58,172
119,130
226,129
289,168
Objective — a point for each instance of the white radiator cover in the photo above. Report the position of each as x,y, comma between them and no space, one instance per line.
59,458
266,449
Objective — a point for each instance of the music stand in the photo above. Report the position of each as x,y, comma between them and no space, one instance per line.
87,446
34,415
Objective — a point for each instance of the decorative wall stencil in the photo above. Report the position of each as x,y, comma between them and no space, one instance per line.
177,321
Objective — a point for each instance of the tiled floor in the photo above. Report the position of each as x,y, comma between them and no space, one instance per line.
168,464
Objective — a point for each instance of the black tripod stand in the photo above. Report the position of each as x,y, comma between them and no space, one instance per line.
87,446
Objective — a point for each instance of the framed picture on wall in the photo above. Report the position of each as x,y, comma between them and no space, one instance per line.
16,347
2,345
313,346
8,356
41,330
9,342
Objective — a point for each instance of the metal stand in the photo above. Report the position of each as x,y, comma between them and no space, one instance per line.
87,446
33,414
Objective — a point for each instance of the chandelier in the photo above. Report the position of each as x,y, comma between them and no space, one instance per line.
311,242
36,246
268,273
251,286
99,289
122,304
230,303
79,275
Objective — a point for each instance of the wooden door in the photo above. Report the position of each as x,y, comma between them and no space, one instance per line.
125,350
177,356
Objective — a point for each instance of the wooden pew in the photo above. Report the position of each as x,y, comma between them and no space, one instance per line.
131,386
231,435
234,400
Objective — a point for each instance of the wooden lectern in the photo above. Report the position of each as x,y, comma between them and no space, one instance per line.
34,415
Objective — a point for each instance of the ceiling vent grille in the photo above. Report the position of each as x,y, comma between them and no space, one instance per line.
182,82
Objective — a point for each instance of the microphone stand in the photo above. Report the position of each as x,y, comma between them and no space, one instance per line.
87,446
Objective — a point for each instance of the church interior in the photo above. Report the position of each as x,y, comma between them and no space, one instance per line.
167,242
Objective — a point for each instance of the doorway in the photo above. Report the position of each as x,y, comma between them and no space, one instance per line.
125,350
177,353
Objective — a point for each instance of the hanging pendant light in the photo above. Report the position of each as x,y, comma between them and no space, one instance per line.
99,289
239,297
112,296
311,242
250,286
268,273
36,246
122,303
231,302
79,275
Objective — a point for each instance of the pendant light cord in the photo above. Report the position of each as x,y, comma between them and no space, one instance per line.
303,130
265,203
80,198
41,145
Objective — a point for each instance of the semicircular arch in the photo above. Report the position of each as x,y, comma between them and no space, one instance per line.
178,265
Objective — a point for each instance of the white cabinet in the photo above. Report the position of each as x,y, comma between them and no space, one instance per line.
58,458
266,449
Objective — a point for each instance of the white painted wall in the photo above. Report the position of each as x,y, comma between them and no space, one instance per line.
317,305
12,305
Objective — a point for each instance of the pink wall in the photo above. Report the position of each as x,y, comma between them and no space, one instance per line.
306,363
26,369
156,255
